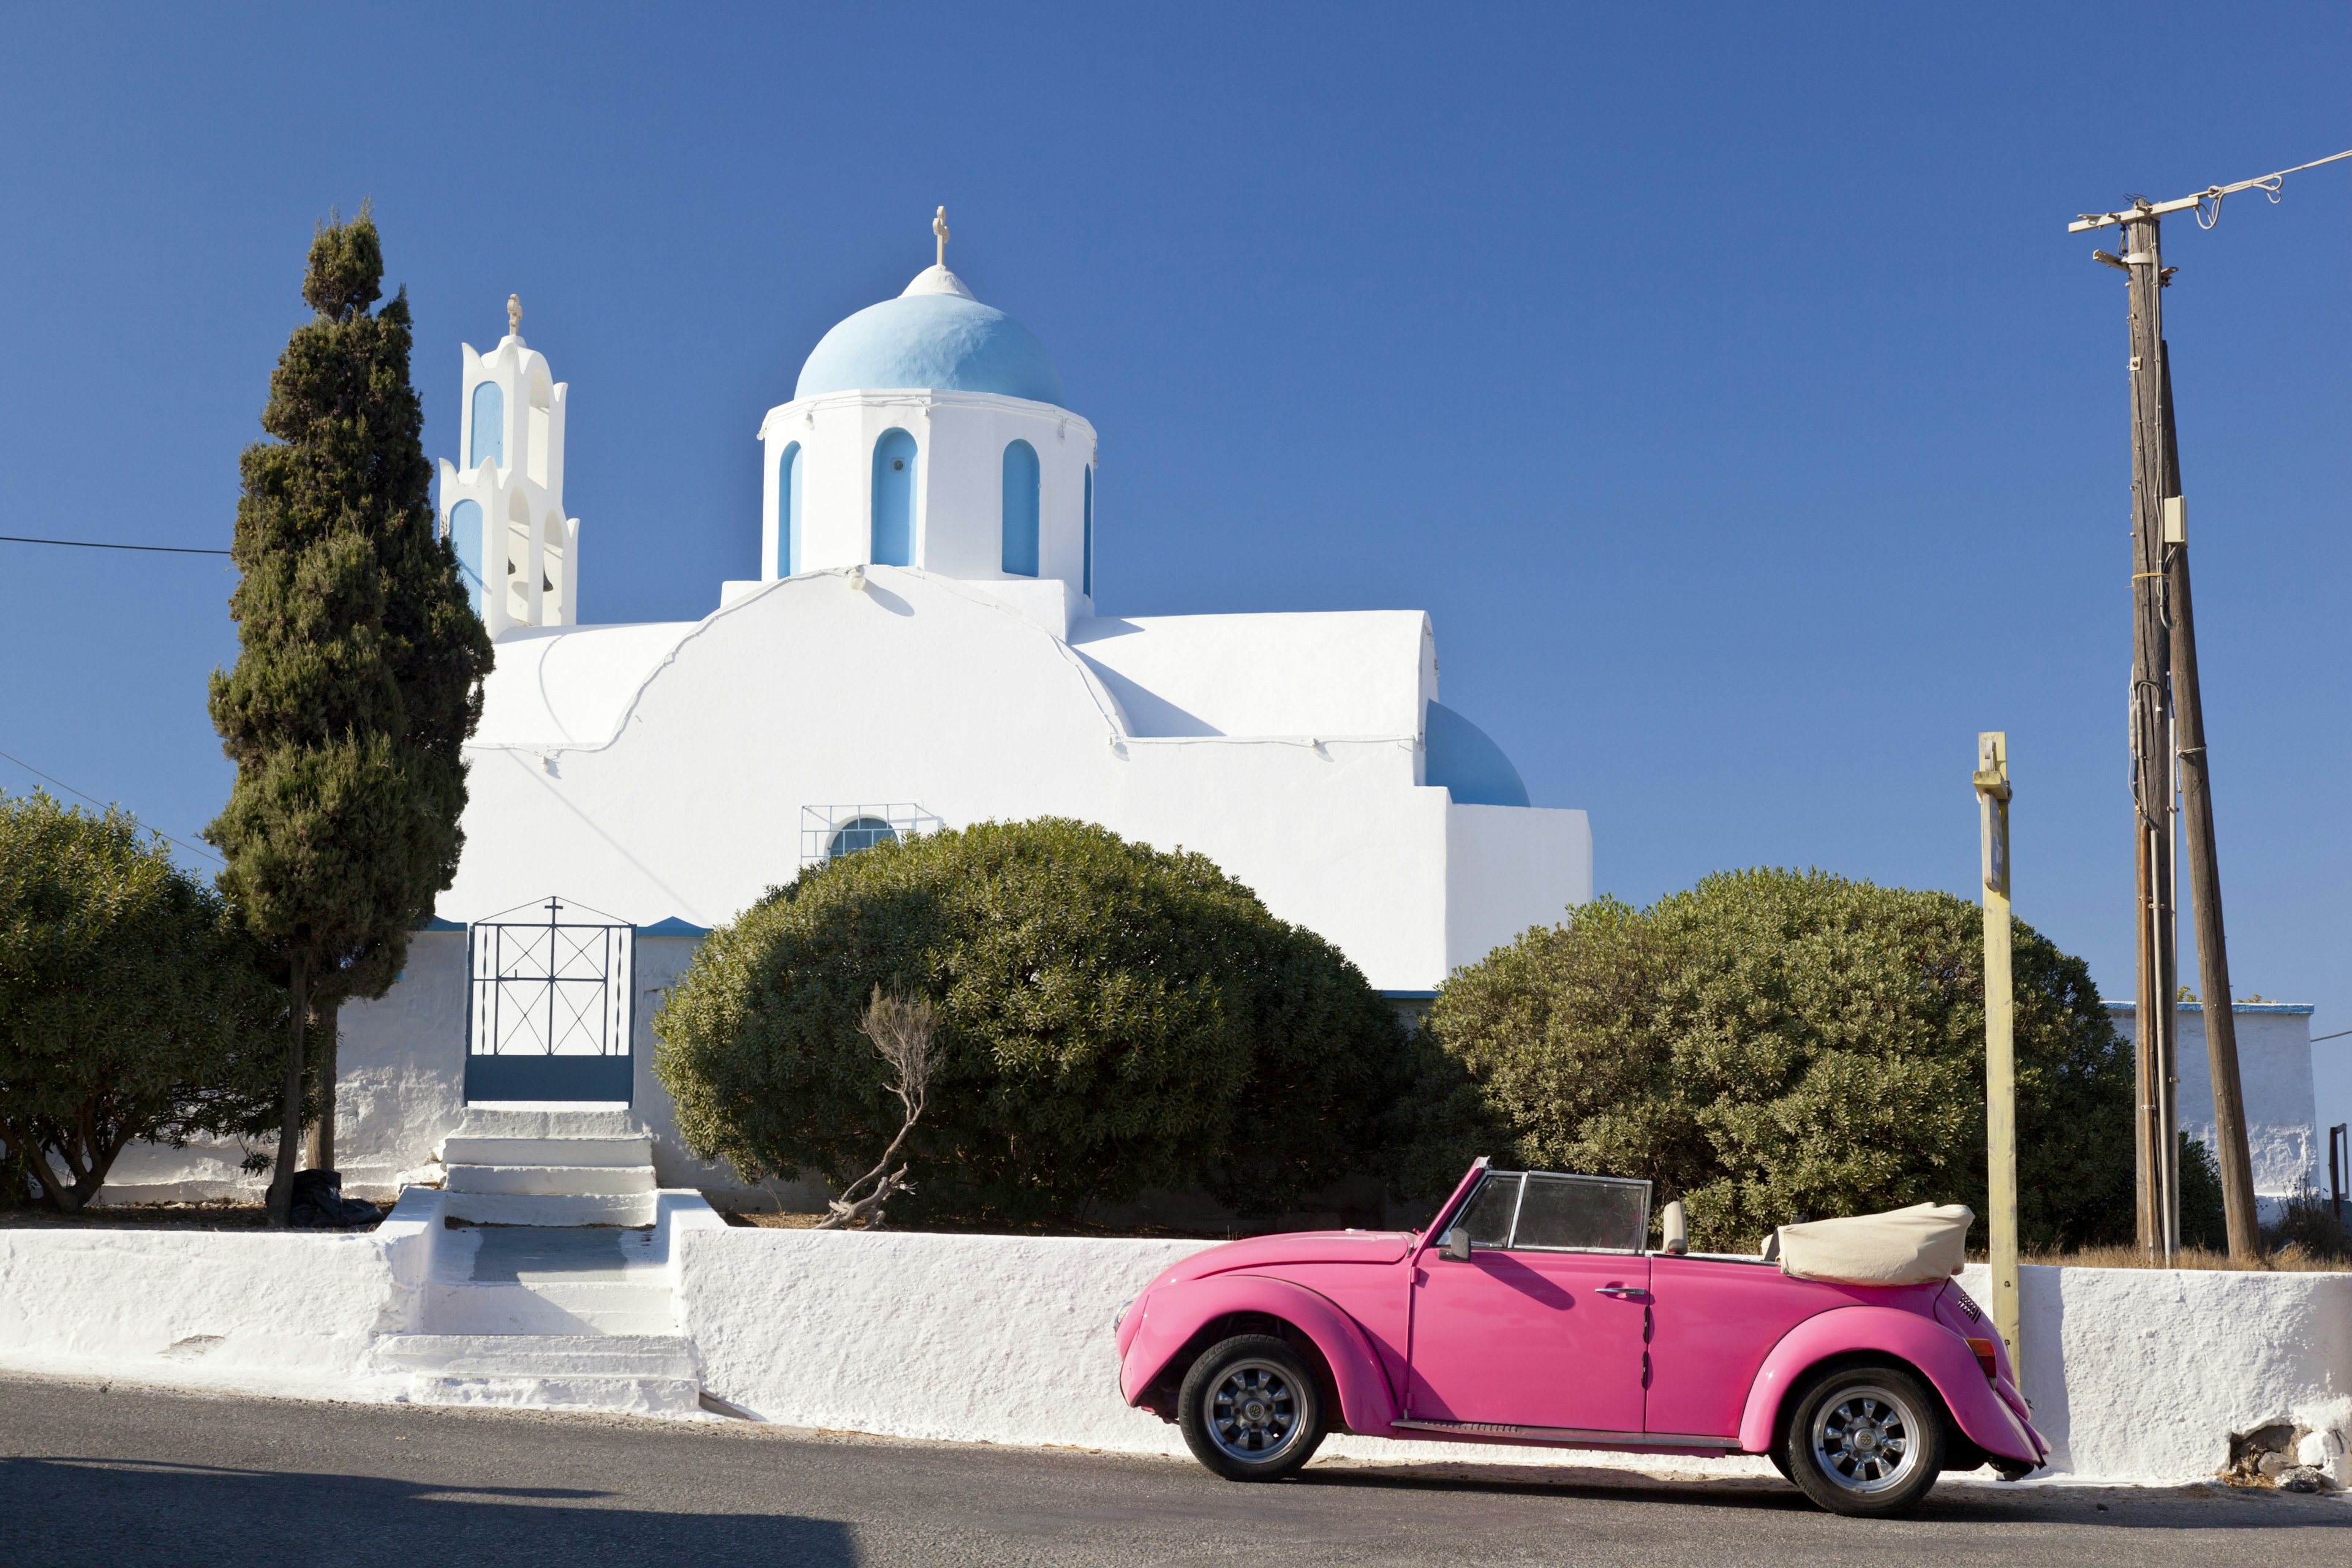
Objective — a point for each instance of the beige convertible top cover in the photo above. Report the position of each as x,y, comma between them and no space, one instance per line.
1917,1245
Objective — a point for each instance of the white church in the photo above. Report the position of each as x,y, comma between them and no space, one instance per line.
923,649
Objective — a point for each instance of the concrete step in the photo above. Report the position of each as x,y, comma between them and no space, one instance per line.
618,1395
540,1209
594,1307
461,1149
538,1355
643,1374
549,1181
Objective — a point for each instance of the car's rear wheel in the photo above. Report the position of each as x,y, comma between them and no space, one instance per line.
1865,1440
1251,1409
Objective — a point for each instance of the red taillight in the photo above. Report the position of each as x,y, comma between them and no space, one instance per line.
1983,1348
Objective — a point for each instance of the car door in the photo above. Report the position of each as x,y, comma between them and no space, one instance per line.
1542,1325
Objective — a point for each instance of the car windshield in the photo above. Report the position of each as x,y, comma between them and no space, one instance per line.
1537,1211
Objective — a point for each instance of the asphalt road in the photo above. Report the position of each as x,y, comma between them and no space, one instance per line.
126,1475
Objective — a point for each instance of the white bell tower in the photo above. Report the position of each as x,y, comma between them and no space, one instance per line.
518,553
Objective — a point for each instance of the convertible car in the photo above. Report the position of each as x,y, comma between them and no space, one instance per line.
1533,1310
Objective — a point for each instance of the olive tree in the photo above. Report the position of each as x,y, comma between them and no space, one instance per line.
131,1008
1773,1045
1107,1017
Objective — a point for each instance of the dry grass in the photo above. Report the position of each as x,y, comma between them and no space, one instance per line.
220,1214
768,1219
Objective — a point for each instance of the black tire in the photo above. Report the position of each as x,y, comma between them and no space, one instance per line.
1251,1409
1865,1441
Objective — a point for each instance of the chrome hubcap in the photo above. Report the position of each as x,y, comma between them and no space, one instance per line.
1865,1440
1253,1411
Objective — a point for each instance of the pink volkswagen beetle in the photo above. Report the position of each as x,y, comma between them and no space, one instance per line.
1531,1311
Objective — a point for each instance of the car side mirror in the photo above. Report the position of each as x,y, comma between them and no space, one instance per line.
1674,1230
1458,1245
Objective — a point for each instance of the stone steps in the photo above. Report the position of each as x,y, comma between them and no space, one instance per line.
549,1180
548,1307
551,1208
560,1151
646,1374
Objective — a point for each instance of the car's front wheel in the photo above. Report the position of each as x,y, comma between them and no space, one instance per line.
1251,1409
1865,1440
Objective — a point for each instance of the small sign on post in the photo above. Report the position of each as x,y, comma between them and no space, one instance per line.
1991,782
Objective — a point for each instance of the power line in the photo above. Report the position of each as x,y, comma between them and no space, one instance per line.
103,806
2207,214
94,544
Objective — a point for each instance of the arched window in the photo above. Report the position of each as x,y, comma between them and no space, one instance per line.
1020,509
1086,568
466,539
894,499
788,511
490,426
864,833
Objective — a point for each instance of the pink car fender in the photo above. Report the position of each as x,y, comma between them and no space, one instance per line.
1174,1313
1939,1355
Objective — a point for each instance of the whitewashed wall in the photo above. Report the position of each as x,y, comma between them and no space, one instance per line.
2143,1373
2283,1136
2136,1374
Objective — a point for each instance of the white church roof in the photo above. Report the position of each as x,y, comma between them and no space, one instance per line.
1334,676
1352,673
557,685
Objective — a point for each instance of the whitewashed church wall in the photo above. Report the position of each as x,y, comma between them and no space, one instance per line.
1509,868
1312,675
922,690
401,1071
959,441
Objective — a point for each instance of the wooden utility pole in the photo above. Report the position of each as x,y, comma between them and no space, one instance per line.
2204,871
2154,1137
1991,781
2164,678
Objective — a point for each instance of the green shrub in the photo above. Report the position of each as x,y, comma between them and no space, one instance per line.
131,1008
1109,1018
1772,1046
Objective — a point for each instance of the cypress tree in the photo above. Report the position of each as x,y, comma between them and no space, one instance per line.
359,671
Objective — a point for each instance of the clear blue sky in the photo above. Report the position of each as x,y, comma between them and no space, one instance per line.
1722,380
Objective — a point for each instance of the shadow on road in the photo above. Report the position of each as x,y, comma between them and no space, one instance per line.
65,1510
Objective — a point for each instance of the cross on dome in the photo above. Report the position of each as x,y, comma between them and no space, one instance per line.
939,228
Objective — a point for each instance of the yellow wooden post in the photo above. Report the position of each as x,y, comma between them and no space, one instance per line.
2000,1046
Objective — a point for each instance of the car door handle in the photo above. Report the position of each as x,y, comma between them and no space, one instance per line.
1619,1291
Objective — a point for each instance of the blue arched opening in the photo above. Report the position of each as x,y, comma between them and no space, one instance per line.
1020,509
788,512
1087,567
894,499
490,426
466,539
864,833
1464,758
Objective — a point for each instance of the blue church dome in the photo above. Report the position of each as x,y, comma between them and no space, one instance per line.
935,336
1465,760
